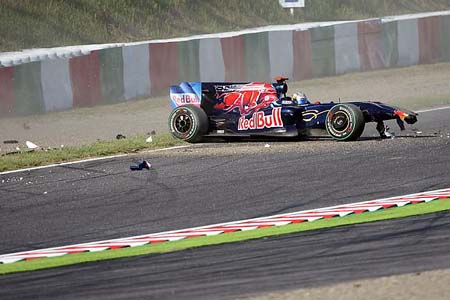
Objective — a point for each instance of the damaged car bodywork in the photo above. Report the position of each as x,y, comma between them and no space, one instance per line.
263,109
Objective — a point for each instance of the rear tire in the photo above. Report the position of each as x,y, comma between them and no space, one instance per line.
345,122
188,123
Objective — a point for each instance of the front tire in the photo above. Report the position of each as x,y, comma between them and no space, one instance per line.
188,123
345,122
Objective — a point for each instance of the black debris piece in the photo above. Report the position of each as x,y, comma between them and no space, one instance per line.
11,142
143,165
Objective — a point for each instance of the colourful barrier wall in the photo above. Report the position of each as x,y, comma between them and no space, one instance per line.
127,72
301,41
28,89
346,48
56,84
445,38
369,44
164,67
389,42
429,40
111,75
6,90
85,78
188,60
322,46
233,58
212,65
136,71
408,42
281,56
256,56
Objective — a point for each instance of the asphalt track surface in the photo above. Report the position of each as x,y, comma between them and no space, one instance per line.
223,182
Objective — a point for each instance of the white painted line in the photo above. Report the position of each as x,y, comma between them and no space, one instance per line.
165,149
62,164
432,109
89,160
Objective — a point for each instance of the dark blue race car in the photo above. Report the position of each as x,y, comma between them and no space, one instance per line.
227,109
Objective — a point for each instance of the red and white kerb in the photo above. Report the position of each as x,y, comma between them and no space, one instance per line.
251,224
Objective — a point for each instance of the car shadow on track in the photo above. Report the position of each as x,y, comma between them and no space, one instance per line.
260,139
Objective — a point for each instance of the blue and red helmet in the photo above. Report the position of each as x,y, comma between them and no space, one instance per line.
301,98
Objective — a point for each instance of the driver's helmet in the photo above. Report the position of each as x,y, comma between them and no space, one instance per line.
300,97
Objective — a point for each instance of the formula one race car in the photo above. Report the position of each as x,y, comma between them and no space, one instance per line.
263,109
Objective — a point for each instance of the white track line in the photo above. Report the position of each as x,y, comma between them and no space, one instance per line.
432,109
89,160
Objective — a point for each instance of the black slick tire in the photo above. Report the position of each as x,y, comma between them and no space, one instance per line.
188,123
345,122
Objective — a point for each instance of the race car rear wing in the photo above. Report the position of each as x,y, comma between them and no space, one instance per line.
205,93
186,93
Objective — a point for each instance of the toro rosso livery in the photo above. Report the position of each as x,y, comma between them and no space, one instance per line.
263,109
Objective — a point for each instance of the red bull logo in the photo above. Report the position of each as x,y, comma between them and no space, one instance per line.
261,121
248,98
186,98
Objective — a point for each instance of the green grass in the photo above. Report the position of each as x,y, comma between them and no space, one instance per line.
98,149
49,23
392,213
